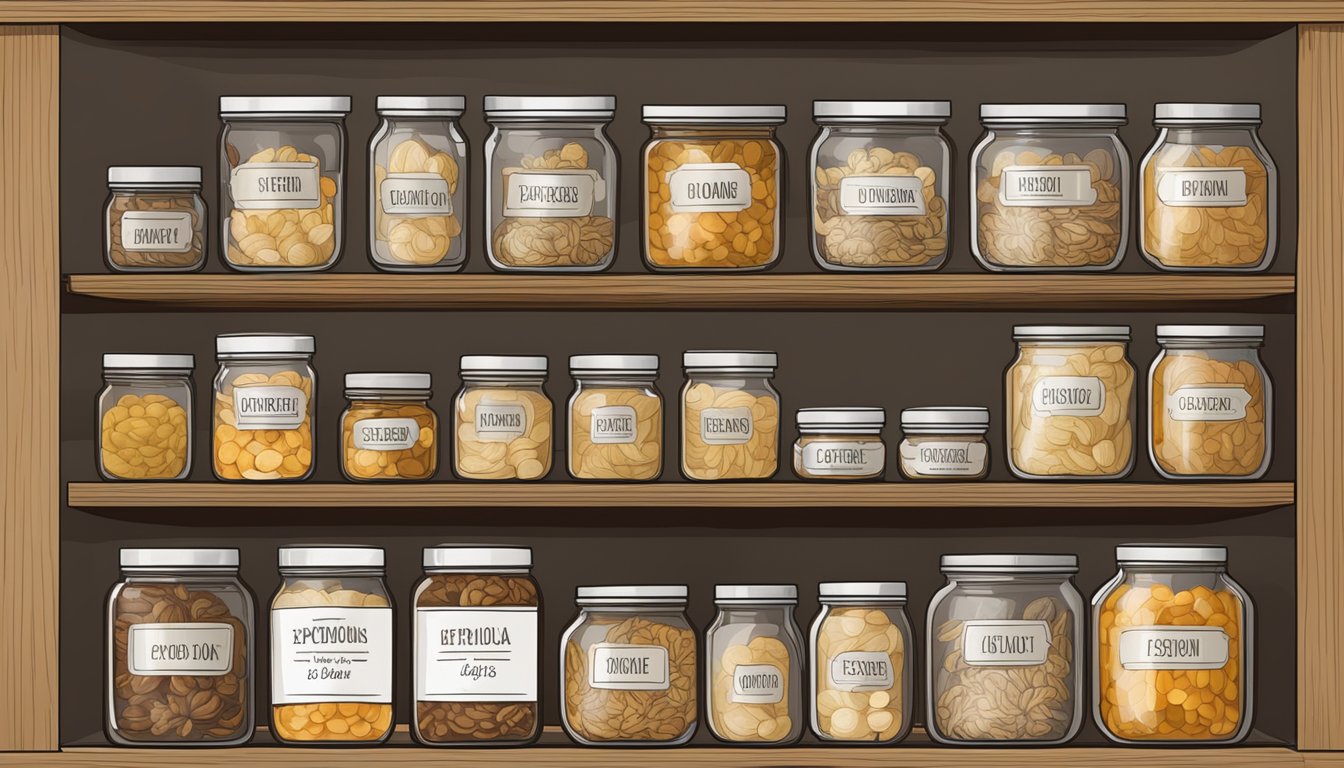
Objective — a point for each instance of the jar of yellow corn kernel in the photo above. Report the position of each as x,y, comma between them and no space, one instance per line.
729,416
388,431
282,181
502,418
144,417
1174,656
615,418
713,180
265,400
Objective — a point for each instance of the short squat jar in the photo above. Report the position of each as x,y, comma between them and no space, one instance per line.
388,430
502,418
729,416
144,417
840,444
265,404
1005,628
1050,188
615,418
155,219
880,185
946,443
754,674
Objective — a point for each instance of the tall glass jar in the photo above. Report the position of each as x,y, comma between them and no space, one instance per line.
840,444
729,416
477,648
1070,402
1005,628
628,671
180,629
282,181
1209,201
551,183
1211,413
144,417
713,186
388,430
946,443
154,220
862,687
418,185
502,419
265,402
1050,188
331,647
880,185
1175,656
615,418
755,670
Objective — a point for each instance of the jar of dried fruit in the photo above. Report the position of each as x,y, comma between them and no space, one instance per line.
615,418
729,416
754,674
154,220
502,418
389,432
144,417
265,402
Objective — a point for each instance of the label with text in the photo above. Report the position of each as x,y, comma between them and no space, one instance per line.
415,194
757,684
726,426
1068,396
861,672
271,186
561,193
1007,643
1208,403
946,458
157,231
709,188
1202,187
331,654
841,459
385,434
612,425
476,654
1154,647
199,649
1046,186
882,196
269,407
500,423
620,667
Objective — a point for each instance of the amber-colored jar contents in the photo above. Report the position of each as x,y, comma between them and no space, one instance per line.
389,431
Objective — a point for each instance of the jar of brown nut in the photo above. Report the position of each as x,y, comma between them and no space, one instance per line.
477,647
154,220
179,649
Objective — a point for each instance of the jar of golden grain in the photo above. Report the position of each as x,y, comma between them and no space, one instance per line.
840,444
729,416
144,417
945,443
502,419
615,418
713,184
388,431
265,402
154,220
755,668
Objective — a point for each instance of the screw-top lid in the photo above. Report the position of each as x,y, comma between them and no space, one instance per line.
879,111
613,364
330,557
848,590
1113,114
428,106
478,557
1071,332
694,114
164,362
549,106
769,593
1170,553
168,557
953,418
1009,563
1204,112
1208,332
858,419
412,381
263,344
284,105
730,360
154,176
534,364
667,594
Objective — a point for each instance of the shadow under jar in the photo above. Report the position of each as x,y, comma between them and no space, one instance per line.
388,431
155,219
144,417
755,669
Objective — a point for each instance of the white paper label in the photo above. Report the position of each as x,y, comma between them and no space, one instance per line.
1143,648
476,654
1046,186
415,194
617,667
1008,643
500,423
561,193
199,649
271,186
882,196
841,459
757,684
861,671
945,458
612,424
1208,403
331,654
1068,396
726,426
269,407
385,434
1202,187
709,188
156,231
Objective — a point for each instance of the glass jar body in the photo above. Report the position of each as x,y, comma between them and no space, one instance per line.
418,194
839,456
754,675
502,429
615,428
264,407
729,426
862,672
944,456
389,437
144,423
1210,413
154,229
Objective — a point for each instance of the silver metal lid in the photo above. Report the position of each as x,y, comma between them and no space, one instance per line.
1248,332
857,589
881,110
284,105
168,557
666,594
1170,553
1009,563
1052,113
696,114
415,381
969,418
263,344
615,364
1204,112
428,106
153,176
331,557
784,593
478,557
860,419
550,106
166,362
536,364
1071,332
729,360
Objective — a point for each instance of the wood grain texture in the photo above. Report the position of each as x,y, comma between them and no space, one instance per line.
29,428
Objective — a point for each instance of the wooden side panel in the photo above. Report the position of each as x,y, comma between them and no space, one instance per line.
29,431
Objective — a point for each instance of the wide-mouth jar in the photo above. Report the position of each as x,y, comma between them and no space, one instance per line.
755,666
615,418
729,415
388,430
154,219
144,417
944,443
840,444
502,418
265,403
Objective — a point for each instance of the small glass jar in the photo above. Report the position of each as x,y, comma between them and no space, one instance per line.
713,185
265,402
282,181
154,219
629,669
388,430
417,185
1175,661
1050,188
179,629
477,647
615,418
1070,402
863,657
729,416
755,670
944,443
840,444
880,185
331,647
1209,201
1005,628
144,417
502,419
551,183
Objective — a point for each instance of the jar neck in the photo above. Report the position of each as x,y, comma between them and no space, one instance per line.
1246,344
644,609
546,124
156,190
613,380
137,377
862,602
503,380
981,577
856,128
872,434
1132,568
478,569
160,573
1078,342
370,396
965,434
305,357
310,572
1062,129
713,131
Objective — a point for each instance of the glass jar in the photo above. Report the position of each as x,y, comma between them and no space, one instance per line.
1050,188
154,219
417,185
1005,626
551,183
388,430
282,181
502,419
754,675
1070,402
477,647
629,669
729,416
1209,201
331,647
712,187
615,418
944,443
863,659
1211,403
179,629
265,401
880,175
144,417
1175,661
840,444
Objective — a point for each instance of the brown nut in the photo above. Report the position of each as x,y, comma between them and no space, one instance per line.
750,452
384,458
285,237
908,239
519,449
553,241
853,709
632,450
1188,439
416,238
1183,230
145,437
155,229
261,454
